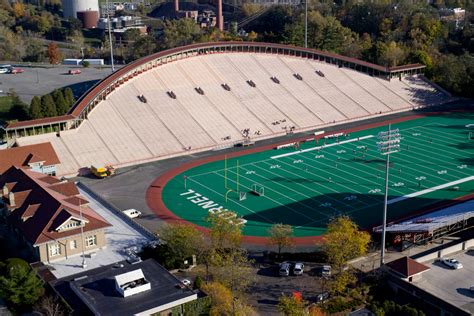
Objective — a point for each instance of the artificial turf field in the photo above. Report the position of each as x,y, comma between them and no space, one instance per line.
307,187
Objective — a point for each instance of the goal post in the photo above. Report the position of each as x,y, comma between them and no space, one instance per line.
258,189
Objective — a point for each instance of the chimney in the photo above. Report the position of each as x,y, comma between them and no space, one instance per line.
11,198
5,190
220,18
176,6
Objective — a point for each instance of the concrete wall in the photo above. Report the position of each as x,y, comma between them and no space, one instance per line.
448,250
66,251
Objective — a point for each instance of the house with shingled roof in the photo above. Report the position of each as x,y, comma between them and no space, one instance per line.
39,157
48,214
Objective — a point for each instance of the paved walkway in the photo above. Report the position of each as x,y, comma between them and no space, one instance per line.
119,237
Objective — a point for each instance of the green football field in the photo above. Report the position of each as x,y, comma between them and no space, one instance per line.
306,187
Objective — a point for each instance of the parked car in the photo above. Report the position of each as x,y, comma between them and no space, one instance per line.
3,70
284,269
452,263
74,72
132,213
298,268
324,271
322,297
16,71
471,289
186,282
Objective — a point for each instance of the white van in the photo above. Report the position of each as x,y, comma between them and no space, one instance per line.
132,213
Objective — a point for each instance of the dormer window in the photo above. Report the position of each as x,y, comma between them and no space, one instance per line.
69,225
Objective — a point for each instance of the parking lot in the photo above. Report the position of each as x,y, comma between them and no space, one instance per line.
36,81
268,286
451,285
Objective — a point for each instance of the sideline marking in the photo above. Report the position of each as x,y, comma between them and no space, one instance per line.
321,147
442,186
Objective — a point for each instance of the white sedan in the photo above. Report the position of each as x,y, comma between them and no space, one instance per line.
452,263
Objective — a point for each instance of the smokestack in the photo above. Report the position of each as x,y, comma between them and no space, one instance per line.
220,18
176,5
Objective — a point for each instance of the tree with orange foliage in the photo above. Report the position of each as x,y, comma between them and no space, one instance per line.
54,55
18,9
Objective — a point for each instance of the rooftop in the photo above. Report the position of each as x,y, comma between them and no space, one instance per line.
39,205
96,289
22,156
451,285
407,267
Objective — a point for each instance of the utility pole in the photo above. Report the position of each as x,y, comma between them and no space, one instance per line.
110,37
305,23
389,143
84,265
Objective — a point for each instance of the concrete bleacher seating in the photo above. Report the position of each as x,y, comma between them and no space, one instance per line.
123,130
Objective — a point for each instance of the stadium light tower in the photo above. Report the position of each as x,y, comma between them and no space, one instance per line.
389,143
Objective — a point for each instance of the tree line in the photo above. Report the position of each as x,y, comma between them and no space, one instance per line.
52,104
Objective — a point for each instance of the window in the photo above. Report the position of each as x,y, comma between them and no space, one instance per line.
91,241
55,250
73,244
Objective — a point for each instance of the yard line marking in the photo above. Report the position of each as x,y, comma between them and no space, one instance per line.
432,156
321,147
299,176
359,169
284,186
416,171
256,213
438,187
291,166
269,198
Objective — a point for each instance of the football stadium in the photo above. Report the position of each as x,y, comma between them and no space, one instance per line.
293,134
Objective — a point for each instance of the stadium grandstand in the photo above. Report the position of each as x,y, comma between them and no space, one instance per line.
432,225
218,95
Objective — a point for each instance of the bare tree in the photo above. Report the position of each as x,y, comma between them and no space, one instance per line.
49,305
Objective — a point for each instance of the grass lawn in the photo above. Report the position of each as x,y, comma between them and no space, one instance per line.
306,188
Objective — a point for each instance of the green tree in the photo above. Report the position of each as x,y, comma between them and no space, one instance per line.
390,54
69,97
180,32
19,285
18,110
343,242
34,51
48,108
224,255
281,236
61,104
35,108
290,305
183,240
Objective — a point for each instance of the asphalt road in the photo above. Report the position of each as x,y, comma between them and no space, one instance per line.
36,81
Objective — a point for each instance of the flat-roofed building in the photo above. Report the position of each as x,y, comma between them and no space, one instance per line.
143,288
